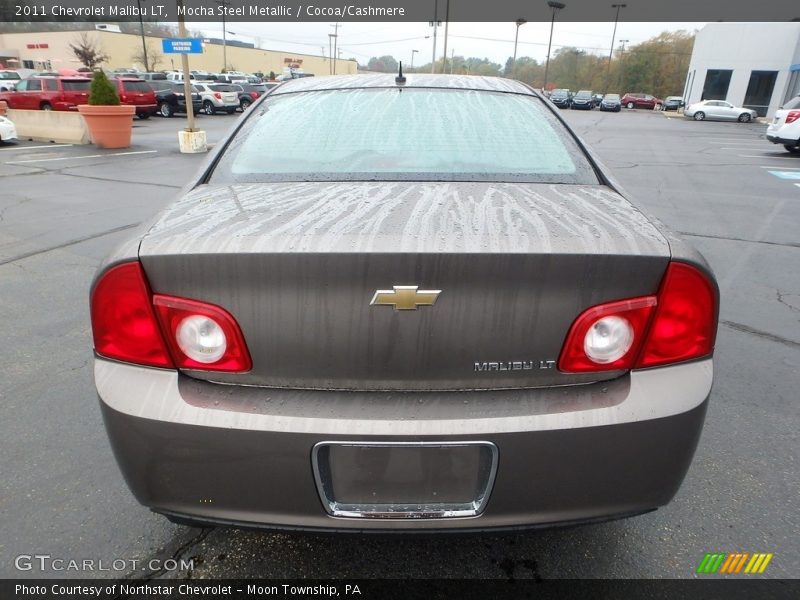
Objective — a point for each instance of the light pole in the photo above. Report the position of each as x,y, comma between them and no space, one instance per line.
556,6
613,35
413,52
224,4
446,26
144,44
330,52
520,23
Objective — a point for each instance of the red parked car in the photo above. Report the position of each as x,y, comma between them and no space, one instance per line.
49,93
641,101
138,93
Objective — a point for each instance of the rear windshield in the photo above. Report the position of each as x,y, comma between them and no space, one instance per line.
137,86
224,87
255,87
71,85
403,134
9,75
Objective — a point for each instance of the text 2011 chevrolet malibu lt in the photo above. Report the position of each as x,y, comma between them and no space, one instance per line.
389,304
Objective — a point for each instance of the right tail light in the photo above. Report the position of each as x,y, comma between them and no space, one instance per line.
678,324
792,116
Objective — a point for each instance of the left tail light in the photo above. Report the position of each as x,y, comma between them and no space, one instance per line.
217,95
131,325
254,95
792,116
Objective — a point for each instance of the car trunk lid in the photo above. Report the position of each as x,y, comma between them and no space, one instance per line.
297,265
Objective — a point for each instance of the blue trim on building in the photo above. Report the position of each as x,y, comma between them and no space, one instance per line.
795,67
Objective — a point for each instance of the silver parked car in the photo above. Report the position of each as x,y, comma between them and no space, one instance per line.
718,110
422,306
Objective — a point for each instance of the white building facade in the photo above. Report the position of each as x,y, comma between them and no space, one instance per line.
755,65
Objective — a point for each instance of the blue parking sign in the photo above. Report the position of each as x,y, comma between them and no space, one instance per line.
182,46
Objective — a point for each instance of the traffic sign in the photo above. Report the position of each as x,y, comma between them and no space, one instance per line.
182,46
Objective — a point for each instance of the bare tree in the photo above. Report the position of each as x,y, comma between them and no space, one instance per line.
151,61
87,52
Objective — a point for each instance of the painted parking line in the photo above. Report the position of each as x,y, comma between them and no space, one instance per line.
767,157
19,162
17,148
785,174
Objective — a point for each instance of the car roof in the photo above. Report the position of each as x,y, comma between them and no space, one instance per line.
413,80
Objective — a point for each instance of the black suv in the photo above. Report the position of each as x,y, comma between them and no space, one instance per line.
171,99
561,98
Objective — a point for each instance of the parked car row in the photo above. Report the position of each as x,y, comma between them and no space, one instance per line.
155,96
588,100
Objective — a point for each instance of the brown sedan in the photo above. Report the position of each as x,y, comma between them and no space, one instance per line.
390,304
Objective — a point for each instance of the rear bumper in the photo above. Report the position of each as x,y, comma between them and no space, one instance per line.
776,139
226,454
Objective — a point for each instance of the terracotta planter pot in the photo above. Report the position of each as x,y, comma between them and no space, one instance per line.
109,126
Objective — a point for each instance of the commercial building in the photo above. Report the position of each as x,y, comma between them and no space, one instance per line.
50,50
755,65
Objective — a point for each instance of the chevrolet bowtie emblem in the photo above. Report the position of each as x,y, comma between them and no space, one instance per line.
405,297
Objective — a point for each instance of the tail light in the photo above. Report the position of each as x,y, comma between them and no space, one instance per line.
131,325
217,95
677,324
792,116
254,95
123,98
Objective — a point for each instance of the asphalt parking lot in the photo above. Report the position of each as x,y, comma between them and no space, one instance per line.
734,195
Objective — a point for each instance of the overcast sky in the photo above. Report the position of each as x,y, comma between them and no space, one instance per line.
494,41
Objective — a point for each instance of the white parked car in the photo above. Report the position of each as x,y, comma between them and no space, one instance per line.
719,110
218,96
785,127
7,130
9,80
177,76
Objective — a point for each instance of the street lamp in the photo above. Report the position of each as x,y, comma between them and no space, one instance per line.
413,52
556,6
520,23
613,35
224,4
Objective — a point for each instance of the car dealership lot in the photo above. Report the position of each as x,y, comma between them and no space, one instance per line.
721,184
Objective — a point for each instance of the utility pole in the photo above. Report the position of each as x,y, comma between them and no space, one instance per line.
144,44
335,54
187,81
613,35
452,56
434,24
413,52
446,27
556,6
330,53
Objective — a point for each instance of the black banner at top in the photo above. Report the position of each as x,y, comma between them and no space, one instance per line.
399,10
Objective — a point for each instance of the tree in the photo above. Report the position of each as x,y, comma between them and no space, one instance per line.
383,64
152,60
87,52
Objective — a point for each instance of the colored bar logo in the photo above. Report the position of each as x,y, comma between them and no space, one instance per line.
734,563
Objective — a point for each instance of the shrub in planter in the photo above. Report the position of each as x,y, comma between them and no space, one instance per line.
110,123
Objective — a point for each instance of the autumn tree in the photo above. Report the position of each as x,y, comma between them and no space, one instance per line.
87,52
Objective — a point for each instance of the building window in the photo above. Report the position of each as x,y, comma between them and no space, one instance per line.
27,64
716,85
759,91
